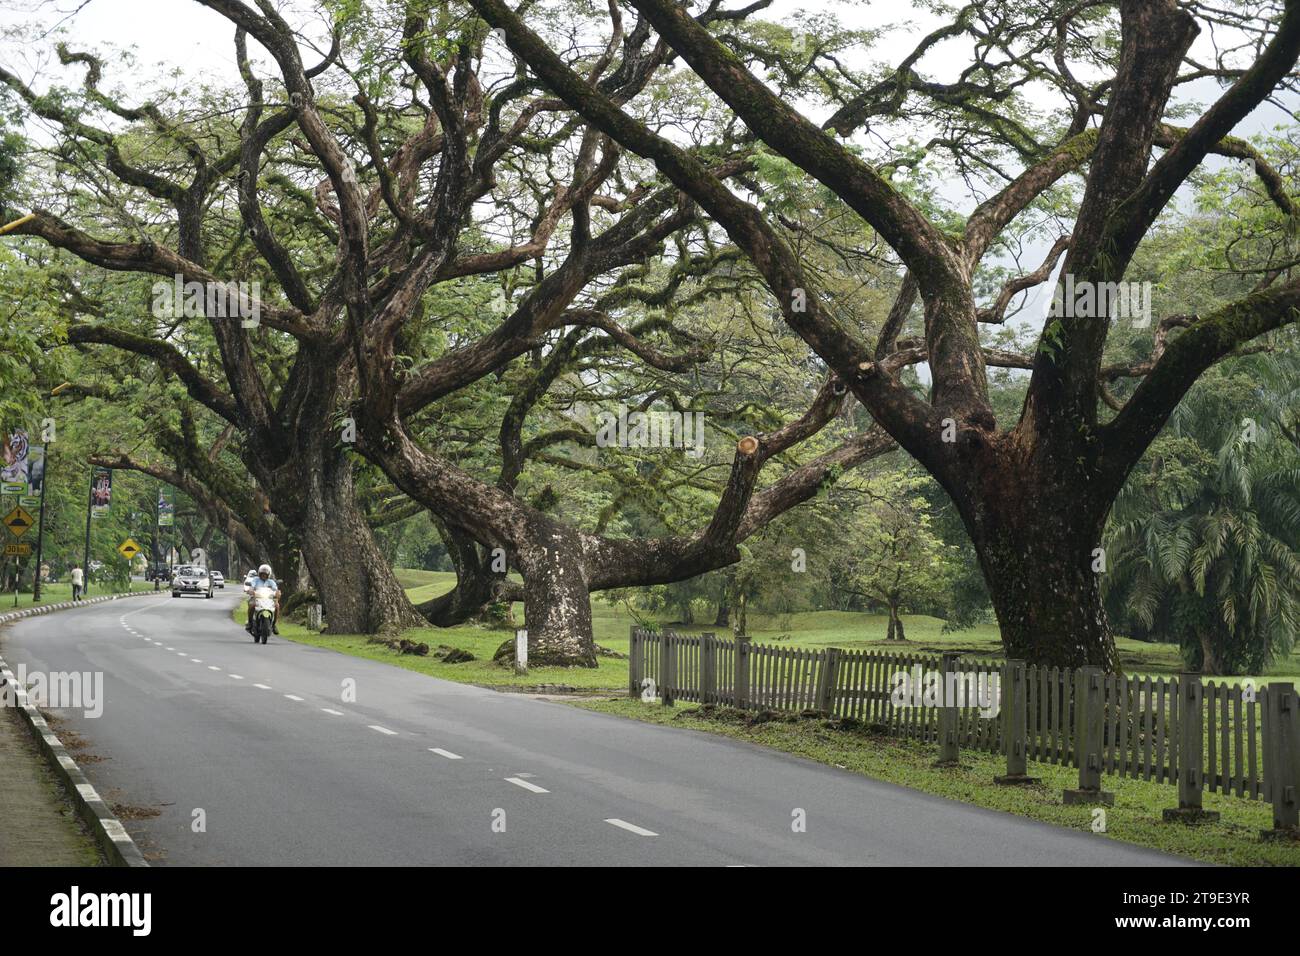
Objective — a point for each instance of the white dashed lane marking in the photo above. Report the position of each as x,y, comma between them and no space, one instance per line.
630,827
261,687
234,676
382,730
292,697
336,713
444,753
531,787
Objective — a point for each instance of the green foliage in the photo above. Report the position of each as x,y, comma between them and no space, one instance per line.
1204,545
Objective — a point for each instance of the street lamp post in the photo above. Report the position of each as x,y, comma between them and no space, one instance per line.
85,566
40,521
40,524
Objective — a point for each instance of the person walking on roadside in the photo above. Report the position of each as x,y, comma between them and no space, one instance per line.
78,582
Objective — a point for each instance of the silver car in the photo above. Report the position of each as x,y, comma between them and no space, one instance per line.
191,579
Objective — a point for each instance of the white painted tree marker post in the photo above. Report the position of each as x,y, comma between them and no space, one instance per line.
521,651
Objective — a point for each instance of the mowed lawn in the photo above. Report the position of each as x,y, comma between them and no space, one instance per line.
816,629
58,593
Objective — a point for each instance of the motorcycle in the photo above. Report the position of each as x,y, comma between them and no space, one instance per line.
263,614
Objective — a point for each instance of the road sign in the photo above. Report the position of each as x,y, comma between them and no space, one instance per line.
128,549
18,550
18,522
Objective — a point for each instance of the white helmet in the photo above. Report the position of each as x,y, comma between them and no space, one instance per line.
264,571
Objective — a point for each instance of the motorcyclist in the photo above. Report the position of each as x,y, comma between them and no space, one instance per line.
262,579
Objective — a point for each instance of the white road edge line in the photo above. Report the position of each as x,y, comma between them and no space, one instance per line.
630,827
444,753
532,787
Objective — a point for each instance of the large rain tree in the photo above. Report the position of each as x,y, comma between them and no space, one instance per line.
1034,496
370,193
406,225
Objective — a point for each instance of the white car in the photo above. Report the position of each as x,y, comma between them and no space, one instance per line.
191,579
218,580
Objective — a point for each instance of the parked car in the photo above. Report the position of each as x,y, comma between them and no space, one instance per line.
191,579
218,580
159,572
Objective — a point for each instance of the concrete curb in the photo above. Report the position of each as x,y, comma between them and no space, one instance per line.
106,828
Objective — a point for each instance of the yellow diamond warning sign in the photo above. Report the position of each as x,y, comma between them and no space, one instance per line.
128,549
18,522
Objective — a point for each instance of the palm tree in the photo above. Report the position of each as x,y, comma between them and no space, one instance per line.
1203,540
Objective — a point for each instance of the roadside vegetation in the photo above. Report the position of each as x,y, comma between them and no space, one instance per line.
611,622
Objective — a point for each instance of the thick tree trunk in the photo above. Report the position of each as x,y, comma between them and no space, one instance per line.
357,588
557,603
307,474
1037,545
1209,659
477,585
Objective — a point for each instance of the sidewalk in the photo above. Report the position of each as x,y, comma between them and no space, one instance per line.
37,824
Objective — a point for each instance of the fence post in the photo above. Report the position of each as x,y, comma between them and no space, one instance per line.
827,680
667,666
708,669
948,752
740,683
1014,706
1191,742
1089,743
635,663
1282,759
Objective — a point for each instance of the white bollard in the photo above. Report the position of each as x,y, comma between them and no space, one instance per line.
521,651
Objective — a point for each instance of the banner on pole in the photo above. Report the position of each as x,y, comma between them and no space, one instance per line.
166,508
14,452
35,470
101,491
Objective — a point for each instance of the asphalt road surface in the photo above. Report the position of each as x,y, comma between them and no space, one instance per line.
253,755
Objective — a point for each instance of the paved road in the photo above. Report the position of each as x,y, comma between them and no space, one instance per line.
422,771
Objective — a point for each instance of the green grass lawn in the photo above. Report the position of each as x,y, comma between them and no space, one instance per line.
58,593
482,642
1135,818
610,623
